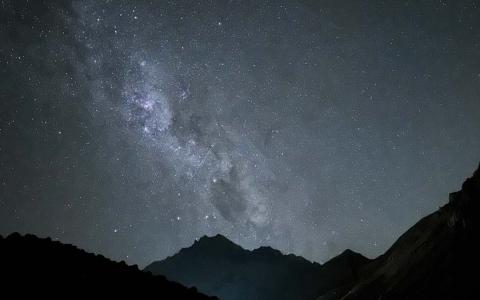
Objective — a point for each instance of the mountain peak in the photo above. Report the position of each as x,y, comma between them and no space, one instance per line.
213,245
471,186
348,252
348,257
470,191
267,250
217,240
218,237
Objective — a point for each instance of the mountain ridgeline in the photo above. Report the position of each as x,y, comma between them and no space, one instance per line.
217,266
433,260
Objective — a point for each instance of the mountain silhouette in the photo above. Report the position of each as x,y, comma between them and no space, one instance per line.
36,266
434,259
217,266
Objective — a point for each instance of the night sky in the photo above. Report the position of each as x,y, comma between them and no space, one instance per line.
131,128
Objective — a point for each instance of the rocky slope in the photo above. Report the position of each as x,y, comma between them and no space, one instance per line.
435,259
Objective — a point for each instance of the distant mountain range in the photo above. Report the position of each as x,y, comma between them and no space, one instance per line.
217,266
435,259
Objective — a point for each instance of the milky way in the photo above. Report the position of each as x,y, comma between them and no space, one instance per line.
132,128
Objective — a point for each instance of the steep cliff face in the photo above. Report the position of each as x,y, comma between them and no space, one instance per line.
435,259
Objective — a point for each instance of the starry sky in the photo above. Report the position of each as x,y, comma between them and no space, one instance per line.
131,128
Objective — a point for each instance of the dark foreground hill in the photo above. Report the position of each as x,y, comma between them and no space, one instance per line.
217,266
36,266
437,258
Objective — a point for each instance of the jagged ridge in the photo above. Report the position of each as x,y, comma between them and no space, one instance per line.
217,266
